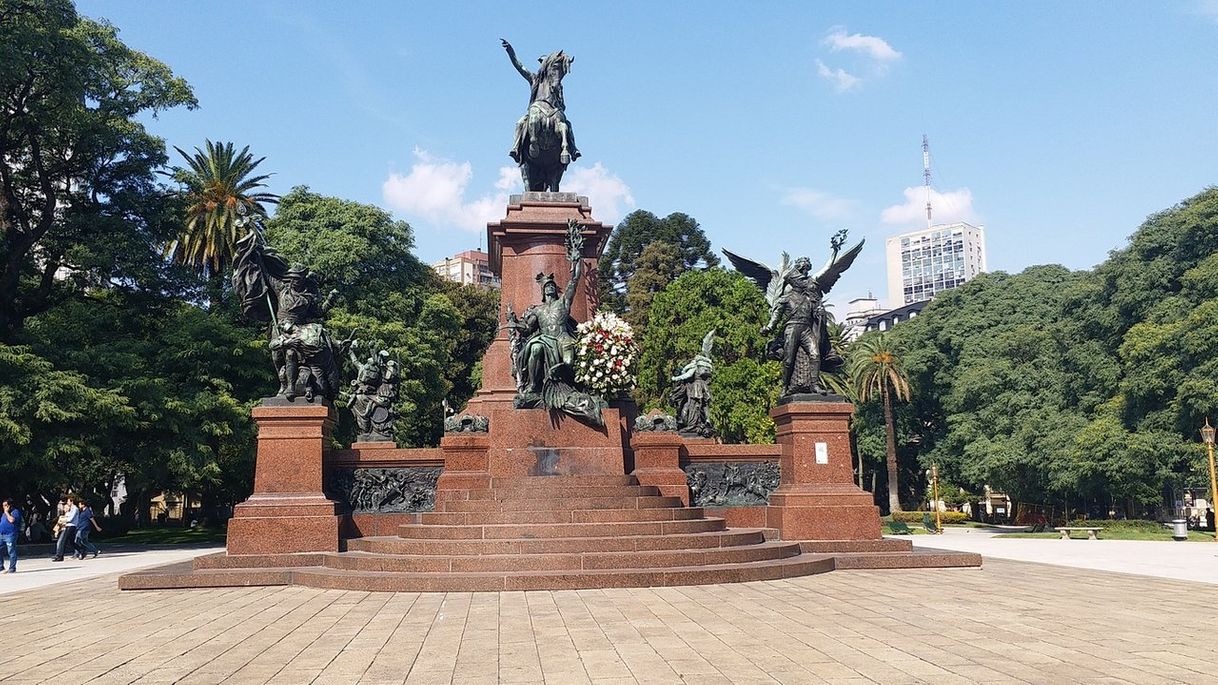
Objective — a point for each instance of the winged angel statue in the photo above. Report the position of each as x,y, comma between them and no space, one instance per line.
797,298
692,394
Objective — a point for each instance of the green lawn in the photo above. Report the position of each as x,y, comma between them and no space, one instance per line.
914,529
1117,534
169,536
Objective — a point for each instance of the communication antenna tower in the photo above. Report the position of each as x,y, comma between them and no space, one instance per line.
926,174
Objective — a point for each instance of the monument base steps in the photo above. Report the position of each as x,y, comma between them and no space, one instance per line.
545,533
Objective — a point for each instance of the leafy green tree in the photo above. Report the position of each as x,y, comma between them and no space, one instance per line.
992,364
188,378
77,169
390,300
630,237
876,369
219,187
657,266
48,420
743,386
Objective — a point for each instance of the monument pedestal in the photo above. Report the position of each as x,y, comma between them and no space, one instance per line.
657,461
528,241
816,498
466,466
287,512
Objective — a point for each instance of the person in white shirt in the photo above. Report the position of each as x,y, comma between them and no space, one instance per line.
67,531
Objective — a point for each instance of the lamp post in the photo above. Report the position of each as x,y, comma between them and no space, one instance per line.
1207,436
934,485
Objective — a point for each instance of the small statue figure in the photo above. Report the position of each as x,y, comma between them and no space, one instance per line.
515,346
545,361
692,395
305,357
466,423
373,393
544,143
655,421
798,298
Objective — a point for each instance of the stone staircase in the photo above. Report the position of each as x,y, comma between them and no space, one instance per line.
531,533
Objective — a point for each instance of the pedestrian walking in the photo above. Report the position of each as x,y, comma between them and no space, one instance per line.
67,531
10,529
86,524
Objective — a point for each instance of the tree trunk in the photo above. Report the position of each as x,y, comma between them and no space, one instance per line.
894,499
215,290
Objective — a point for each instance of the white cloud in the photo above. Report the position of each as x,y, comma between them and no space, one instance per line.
875,47
509,179
818,204
841,79
1207,9
435,191
875,57
955,205
608,195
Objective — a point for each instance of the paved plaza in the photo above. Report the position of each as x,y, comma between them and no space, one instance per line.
37,570
1007,622
1196,561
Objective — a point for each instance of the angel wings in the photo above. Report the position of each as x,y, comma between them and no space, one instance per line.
773,281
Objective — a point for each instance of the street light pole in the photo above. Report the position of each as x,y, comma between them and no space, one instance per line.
934,485
1207,436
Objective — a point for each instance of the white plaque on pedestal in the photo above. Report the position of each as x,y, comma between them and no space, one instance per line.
822,453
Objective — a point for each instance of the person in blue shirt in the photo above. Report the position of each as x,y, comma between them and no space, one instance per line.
85,524
10,528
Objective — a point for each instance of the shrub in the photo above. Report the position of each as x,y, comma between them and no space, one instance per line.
1126,524
916,516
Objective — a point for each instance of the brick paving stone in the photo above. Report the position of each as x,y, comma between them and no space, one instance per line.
1003,623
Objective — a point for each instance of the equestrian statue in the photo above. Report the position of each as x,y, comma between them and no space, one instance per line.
544,143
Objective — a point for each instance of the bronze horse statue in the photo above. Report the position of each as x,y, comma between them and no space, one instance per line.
544,143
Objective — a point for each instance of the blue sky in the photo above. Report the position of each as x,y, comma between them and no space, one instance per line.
1059,126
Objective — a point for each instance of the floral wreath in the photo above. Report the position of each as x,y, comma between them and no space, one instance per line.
606,355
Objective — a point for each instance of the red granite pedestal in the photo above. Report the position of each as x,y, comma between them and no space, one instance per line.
543,501
816,498
657,461
288,512
528,241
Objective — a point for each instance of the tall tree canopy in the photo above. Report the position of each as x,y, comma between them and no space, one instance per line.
744,388
659,264
1079,386
437,330
639,229
77,165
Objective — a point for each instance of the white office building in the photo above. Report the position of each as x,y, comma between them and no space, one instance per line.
925,262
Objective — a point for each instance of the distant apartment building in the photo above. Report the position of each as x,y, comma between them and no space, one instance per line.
885,320
859,311
471,267
926,262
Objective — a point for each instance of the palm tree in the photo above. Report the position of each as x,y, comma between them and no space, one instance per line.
838,381
219,187
875,367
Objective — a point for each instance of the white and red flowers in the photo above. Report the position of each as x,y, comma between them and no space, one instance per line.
605,358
